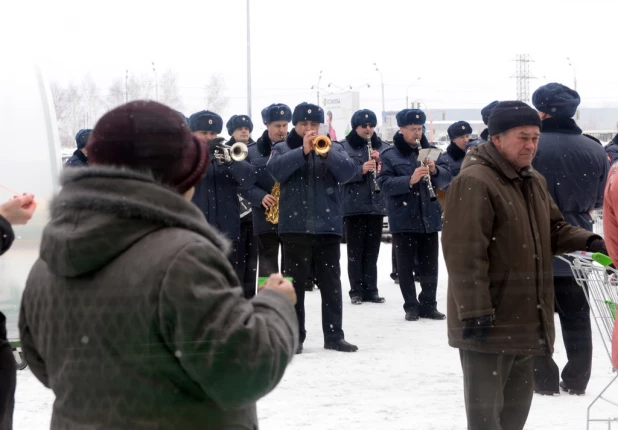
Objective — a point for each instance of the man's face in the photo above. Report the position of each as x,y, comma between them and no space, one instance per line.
461,141
205,135
365,130
411,133
241,134
518,145
277,130
302,127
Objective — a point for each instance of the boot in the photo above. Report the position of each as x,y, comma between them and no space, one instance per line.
340,345
357,301
299,350
432,314
412,315
375,298
564,387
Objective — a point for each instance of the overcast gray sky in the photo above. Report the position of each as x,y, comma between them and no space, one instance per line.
462,50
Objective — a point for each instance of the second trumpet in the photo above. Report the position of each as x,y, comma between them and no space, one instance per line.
321,144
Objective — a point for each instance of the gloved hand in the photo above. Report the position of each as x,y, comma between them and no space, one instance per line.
597,245
477,329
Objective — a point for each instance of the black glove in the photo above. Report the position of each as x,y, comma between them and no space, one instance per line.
477,329
597,245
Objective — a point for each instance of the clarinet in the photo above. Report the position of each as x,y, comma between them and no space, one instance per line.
374,174
432,193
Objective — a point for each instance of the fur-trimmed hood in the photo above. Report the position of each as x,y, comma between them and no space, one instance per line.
102,211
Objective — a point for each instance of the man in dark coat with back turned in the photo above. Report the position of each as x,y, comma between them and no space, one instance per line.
80,156
575,168
364,209
501,229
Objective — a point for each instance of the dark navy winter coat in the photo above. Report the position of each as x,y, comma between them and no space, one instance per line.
453,157
78,159
358,193
409,207
259,153
482,139
575,168
612,150
310,200
217,194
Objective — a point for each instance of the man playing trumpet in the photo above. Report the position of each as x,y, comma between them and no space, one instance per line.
414,218
217,193
310,172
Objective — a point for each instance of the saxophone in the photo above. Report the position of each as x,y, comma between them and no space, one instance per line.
272,213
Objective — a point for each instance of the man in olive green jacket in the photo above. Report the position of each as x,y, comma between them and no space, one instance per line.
498,243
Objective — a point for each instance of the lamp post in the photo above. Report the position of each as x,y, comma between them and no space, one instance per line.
156,82
574,84
383,107
248,62
407,100
337,86
317,87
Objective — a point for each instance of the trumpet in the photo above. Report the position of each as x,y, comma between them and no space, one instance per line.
432,193
321,144
226,153
374,174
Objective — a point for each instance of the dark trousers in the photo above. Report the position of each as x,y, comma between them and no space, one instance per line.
363,234
8,378
246,258
407,247
497,389
394,271
268,254
574,314
298,250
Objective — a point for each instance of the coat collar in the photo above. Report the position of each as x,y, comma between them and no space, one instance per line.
358,142
294,140
81,156
560,125
455,152
407,150
264,144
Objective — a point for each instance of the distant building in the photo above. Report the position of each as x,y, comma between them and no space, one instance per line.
600,122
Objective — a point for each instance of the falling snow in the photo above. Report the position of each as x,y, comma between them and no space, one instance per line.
404,376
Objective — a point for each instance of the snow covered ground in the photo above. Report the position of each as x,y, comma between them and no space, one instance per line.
404,376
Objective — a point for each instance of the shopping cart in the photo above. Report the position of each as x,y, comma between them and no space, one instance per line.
600,284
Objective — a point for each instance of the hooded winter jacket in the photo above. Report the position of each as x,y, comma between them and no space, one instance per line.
133,316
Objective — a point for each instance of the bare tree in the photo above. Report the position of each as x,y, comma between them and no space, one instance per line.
61,102
168,90
216,100
116,94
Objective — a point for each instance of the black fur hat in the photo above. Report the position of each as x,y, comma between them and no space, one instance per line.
486,111
206,120
82,136
556,100
276,112
237,121
308,112
460,128
410,117
363,116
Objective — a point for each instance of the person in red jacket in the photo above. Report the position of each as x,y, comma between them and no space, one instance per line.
16,211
